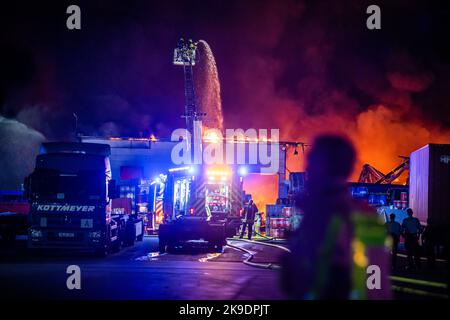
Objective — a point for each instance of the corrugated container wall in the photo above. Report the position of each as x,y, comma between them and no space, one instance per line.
429,183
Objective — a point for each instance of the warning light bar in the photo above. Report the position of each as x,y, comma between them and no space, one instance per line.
217,173
180,169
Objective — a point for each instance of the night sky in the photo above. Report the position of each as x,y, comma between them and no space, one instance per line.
117,69
301,66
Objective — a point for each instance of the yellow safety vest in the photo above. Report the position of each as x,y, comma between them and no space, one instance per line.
368,234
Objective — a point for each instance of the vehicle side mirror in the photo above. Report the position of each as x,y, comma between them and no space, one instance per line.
113,192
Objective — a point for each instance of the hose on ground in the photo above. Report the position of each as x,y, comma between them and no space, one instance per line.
247,261
265,244
250,256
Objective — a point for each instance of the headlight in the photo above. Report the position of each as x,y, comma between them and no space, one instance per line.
95,234
35,233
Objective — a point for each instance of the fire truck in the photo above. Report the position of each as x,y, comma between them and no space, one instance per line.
70,194
201,203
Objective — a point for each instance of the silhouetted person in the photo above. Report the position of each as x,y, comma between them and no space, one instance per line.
446,250
430,240
180,43
337,239
250,211
394,229
411,231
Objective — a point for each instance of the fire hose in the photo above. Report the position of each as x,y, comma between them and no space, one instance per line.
263,236
250,254
398,288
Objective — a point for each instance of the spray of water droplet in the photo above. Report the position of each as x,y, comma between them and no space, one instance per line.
208,84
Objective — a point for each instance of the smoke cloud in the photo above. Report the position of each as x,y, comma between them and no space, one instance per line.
333,76
19,146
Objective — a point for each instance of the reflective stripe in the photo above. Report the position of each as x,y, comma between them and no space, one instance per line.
420,282
369,229
159,211
199,200
368,232
360,262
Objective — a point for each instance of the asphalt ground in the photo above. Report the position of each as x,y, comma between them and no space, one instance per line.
195,272
140,272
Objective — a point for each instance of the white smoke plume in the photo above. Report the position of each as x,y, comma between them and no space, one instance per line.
19,146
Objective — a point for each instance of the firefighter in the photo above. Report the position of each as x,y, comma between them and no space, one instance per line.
191,44
394,230
181,44
338,239
249,219
258,222
411,230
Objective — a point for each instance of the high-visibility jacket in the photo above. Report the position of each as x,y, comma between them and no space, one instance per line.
368,247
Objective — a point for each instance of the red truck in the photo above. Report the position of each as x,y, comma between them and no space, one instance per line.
13,215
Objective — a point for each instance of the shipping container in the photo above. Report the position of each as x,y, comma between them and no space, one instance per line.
430,183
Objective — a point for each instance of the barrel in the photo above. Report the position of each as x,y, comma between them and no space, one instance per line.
404,204
277,233
403,196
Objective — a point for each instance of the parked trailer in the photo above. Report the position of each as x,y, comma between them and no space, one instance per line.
429,185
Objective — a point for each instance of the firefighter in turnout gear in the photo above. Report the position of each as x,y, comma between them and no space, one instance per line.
250,211
411,231
339,241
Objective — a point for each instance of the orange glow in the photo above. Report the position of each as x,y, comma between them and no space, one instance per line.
263,188
380,134
212,136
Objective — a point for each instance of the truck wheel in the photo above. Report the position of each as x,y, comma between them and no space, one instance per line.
218,245
101,252
171,248
35,252
129,234
8,237
162,247
115,246
131,239
141,236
